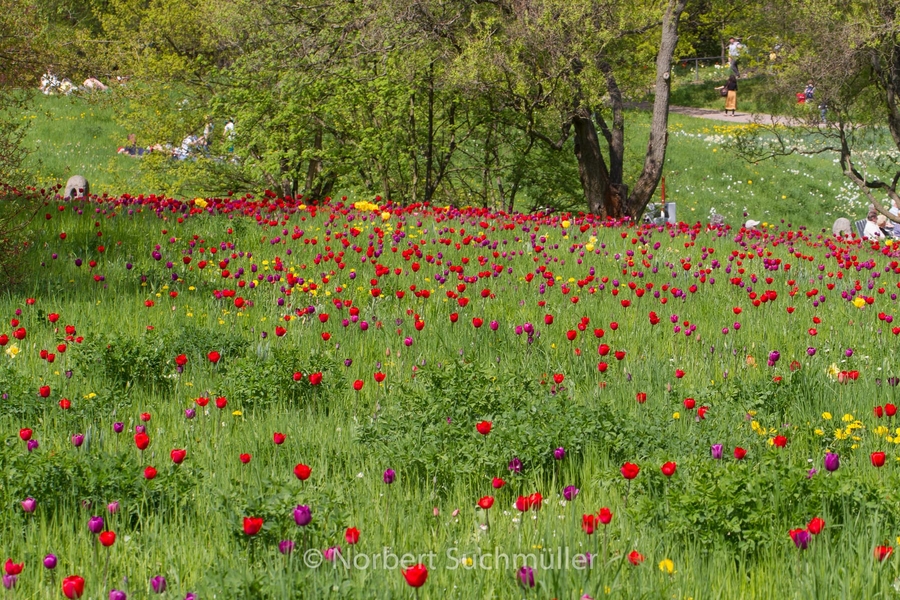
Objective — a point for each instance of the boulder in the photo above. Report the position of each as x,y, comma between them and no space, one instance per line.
841,227
77,187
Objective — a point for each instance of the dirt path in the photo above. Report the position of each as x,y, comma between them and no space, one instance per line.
719,115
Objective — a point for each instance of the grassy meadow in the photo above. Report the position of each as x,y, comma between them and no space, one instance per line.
79,135
379,341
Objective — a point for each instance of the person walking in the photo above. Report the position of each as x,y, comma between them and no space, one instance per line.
731,95
734,53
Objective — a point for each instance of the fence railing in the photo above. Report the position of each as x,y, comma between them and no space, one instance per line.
696,63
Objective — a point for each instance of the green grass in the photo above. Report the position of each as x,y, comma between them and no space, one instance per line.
75,135
723,523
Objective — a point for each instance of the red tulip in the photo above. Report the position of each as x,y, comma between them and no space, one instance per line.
202,401
53,317
558,378
619,354
816,526
890,410
689,403
315,378
73,586
739,453
668,469
879,412
351,535
278,438
484,427
630,470
44,391
679,373
548,319
603,350
779,441
181,360
245,458
476,322
485,502
108,538
221,402
149,473
877,459
605,516
416,575
65,404
252,525
145,417
882,552
588,523
497,483
25,434
12,568
302,472
297,376
280,331
379,377
358,384
522,504
213,357
635,558
641,397
141,440
178,456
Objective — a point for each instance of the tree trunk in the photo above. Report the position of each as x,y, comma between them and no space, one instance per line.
591,167
656,148
315,164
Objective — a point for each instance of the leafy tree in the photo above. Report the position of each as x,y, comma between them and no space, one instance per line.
851,51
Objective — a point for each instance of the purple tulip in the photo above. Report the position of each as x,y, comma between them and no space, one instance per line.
78,440
285,546
716,450
302,515
140,429
515,465
559,453
801,539
569,492
29,504
191,596
389,476
113,507
118,427
811,473
190,413
525,576
95,524
832,462
810,351
32,445
117,595
158,584
848,352
50,561
9,581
